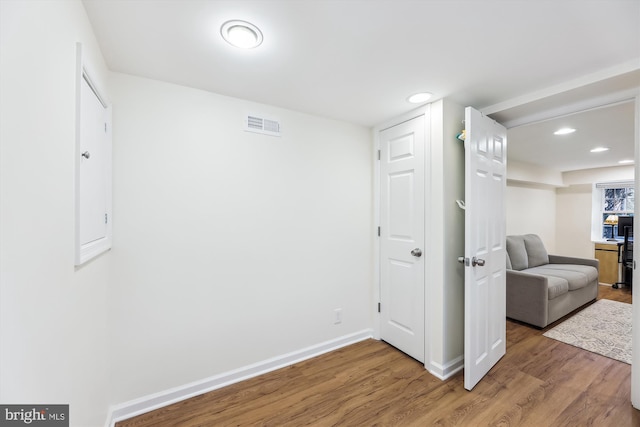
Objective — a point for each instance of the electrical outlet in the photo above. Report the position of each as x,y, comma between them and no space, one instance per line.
337,316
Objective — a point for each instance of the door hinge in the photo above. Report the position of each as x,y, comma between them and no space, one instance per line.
378,154
105,218
378,307
378,231
105,128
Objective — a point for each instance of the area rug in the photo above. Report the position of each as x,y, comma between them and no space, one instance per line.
604,328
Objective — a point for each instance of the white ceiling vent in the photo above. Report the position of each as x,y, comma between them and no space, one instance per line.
257,124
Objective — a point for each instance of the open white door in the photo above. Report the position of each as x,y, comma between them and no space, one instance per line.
485,241
402,236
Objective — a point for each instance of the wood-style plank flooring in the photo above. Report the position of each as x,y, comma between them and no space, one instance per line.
539,382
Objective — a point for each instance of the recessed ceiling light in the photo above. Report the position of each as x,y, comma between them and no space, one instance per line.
564,131
241,34
419,98
599,149
625,162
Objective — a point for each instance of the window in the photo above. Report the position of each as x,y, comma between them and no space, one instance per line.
610,201
616,201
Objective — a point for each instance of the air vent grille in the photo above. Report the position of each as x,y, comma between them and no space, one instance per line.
254,122
271,126
257,124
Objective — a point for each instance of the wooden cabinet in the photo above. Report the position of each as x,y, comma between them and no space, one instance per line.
607,254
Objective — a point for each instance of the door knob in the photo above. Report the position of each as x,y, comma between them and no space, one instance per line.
477,261
86,154
416,253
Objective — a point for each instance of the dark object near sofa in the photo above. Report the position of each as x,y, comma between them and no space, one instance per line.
541,288
627,259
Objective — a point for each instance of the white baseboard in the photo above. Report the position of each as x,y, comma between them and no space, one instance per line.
148,403
447,370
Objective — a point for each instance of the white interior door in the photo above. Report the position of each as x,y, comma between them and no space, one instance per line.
402,236
485,240
94,149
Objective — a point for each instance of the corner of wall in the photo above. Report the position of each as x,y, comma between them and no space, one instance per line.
445,304
446,370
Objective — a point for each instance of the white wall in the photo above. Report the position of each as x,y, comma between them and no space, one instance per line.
230,247
53,318
445,240
532,209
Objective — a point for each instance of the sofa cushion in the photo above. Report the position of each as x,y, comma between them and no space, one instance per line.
517,252
509,267
557,286
536,252
577,278
590,272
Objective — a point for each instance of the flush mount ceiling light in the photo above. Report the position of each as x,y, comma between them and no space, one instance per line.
599,149
564,131
241,34
419,98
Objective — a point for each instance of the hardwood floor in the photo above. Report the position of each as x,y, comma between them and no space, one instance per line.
539,382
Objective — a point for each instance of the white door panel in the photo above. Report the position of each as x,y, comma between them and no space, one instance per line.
93,161
93,185
402,231
485,240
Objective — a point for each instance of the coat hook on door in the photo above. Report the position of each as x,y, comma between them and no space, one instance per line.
461,204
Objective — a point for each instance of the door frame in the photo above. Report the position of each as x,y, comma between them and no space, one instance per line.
635,340
84,252
417,112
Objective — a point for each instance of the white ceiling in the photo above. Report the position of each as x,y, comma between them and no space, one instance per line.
610,127
358,60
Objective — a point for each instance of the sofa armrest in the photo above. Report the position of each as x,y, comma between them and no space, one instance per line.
527,297
559,259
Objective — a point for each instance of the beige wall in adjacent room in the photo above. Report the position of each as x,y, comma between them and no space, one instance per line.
574,207
560,213
573,221
531,209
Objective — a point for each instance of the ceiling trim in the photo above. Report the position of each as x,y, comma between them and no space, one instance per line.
604,101
607,73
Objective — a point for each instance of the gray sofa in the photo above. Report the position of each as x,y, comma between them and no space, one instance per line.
542,288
